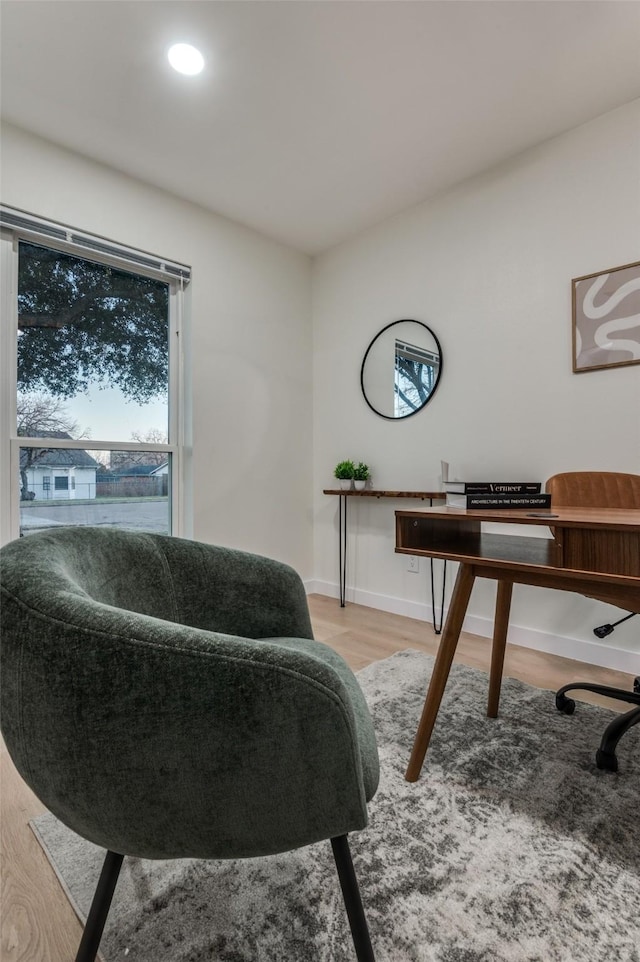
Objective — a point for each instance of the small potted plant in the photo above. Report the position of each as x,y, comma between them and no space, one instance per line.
361,475
344,473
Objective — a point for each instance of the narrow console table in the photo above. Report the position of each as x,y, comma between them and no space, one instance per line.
429,496
593,551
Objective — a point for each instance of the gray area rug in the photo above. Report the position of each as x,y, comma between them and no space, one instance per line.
512,847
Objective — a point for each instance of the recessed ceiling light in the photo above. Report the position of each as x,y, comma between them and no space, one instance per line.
185,59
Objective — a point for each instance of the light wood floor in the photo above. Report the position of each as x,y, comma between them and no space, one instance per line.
38,924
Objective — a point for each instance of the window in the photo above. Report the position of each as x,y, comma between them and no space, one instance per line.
91,381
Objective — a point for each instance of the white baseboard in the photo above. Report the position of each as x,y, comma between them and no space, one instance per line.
591,652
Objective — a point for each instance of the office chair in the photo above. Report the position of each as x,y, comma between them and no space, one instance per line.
600,489
166,699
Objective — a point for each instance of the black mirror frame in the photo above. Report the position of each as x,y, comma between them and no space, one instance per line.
404,320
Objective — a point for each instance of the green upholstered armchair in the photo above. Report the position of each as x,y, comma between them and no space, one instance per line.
165,699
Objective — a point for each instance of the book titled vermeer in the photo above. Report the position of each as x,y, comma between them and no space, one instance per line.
493,487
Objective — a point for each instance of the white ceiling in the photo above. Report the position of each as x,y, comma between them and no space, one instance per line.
314,119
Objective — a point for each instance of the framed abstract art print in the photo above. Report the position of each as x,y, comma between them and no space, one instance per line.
606,318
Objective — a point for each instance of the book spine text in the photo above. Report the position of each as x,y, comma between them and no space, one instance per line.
509,501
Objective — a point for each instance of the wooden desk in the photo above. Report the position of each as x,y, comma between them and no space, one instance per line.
593,551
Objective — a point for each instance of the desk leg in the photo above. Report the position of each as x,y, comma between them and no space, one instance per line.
500,628
342,548
441,668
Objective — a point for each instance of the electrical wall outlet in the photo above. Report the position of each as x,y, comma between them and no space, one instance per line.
413,564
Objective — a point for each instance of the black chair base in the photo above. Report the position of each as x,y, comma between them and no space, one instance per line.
606,758
348,882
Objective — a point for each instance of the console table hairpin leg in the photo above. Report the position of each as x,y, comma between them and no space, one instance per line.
342,549
437,627
342,563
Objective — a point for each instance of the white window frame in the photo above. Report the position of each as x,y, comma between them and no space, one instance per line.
17,226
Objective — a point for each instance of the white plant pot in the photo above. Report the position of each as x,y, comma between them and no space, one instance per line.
345,484
359,485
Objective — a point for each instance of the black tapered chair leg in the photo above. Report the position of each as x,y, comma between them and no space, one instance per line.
352,900
99,908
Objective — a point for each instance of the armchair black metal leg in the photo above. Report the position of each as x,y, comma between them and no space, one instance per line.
99,908
352,900
606,754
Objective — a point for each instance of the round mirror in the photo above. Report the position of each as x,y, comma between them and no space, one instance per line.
401,369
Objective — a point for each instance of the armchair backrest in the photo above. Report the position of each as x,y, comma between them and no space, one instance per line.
173,579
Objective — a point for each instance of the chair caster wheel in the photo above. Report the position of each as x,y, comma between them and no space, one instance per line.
606,761
636,685
566,705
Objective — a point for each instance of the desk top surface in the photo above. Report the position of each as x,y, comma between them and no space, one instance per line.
559,516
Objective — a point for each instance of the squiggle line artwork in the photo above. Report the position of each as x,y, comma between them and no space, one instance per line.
607,318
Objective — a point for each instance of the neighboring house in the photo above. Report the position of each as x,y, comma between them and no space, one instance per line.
49,474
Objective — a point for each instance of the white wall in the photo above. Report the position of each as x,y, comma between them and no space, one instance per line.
250,341
488,266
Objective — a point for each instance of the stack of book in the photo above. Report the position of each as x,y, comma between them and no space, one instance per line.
496,494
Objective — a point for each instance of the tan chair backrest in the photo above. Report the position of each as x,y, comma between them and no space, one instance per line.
595,489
